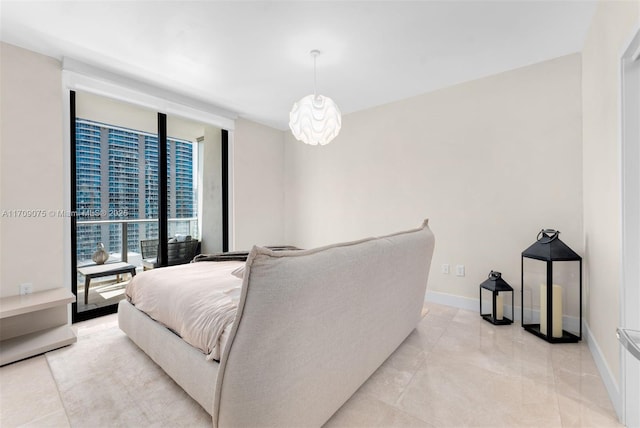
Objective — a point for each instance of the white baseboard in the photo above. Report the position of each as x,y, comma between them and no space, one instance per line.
453,300
605,372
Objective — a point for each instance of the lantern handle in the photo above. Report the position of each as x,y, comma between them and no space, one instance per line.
551,234
495,275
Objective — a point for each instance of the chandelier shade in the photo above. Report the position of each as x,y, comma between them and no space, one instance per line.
315,119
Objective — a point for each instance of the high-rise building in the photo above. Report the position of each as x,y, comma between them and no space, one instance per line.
88,186
117,179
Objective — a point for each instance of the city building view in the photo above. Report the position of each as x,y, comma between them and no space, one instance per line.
117,188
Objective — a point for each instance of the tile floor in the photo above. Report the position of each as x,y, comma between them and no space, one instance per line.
454,370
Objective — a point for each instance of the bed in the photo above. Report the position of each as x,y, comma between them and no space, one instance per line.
299,332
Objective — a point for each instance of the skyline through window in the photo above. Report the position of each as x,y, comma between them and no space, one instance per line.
117,179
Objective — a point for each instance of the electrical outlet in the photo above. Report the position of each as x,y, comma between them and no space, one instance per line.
459,270
26,288
444,269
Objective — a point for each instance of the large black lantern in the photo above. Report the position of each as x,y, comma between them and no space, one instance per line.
497,286
552,293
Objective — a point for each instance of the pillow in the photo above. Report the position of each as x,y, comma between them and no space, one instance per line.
238,272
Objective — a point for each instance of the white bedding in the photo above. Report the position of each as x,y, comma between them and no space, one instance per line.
198,301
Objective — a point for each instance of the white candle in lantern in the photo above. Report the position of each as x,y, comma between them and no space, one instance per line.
556,314
556,310
499,308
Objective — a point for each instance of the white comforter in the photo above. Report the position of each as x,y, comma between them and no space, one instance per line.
198,301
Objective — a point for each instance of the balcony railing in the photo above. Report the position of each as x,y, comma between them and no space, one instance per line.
185,226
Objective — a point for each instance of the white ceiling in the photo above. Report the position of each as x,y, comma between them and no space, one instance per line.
253,57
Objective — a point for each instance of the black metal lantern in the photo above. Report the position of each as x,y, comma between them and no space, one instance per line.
496,285
553,321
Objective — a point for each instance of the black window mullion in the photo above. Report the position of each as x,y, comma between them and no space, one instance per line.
225,190
163,209
72,208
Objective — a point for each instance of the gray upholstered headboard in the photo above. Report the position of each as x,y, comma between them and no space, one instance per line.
313,325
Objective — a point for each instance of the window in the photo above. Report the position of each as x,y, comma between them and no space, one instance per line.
117,201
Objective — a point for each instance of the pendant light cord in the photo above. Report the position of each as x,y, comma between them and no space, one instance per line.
314,53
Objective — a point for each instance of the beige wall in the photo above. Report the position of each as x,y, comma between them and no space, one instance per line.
258,182
106,110
489,162
32,170
211,193
612,28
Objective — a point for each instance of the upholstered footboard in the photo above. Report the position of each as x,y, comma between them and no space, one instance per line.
185,364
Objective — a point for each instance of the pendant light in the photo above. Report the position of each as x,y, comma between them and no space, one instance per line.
315,119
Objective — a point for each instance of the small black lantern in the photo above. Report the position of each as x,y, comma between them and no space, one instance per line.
496,285
552,327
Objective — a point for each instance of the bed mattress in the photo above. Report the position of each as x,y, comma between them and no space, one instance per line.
197,301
